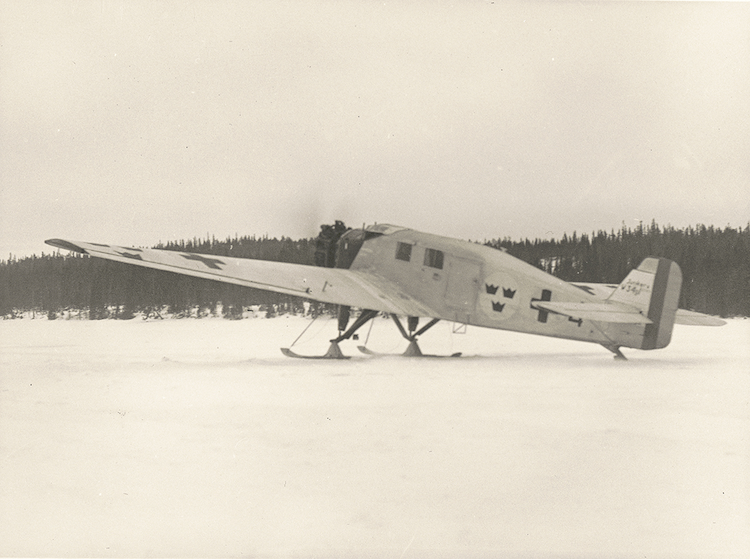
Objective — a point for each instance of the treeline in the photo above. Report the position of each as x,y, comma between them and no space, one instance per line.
715,263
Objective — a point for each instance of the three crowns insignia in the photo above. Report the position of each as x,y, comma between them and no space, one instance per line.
507,293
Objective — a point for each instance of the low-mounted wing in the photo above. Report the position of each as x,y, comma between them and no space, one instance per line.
327,285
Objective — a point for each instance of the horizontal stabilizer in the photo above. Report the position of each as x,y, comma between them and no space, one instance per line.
692,318
601,312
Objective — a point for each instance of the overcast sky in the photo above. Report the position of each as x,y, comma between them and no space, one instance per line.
139,122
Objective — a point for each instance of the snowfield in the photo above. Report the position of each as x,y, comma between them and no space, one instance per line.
181,438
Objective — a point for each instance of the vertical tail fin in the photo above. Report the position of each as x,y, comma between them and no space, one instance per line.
654,288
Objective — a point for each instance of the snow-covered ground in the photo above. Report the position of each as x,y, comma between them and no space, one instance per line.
198,438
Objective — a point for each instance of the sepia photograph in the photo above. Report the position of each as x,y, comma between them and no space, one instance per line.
337,278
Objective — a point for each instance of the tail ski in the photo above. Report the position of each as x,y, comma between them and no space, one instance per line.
654,289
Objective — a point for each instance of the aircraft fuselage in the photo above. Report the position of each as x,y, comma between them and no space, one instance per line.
469,283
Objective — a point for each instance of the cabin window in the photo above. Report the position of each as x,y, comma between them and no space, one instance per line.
403,252
433,258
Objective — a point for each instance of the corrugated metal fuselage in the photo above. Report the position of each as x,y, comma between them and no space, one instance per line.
473,284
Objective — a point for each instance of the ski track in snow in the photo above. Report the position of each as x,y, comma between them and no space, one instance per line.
198,438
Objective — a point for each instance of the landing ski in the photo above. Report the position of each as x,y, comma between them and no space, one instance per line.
333,353
368,351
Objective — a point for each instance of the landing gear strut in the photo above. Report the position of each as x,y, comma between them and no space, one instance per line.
412,323
334,351
362,319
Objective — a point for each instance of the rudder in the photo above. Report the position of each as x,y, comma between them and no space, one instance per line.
653,288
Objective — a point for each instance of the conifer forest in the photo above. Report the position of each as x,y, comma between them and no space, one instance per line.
715,264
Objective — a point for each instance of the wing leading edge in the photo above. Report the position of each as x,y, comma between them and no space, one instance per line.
327,285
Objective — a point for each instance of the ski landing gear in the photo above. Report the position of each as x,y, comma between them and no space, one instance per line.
413,349
334,351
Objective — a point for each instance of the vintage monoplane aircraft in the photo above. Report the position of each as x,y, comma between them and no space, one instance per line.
402,272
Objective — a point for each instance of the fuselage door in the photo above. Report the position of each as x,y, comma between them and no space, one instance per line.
463,284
